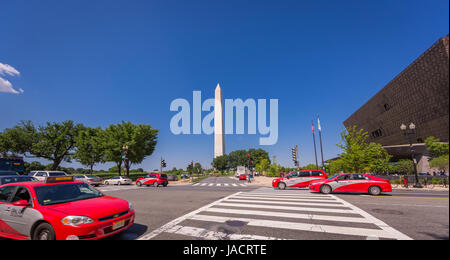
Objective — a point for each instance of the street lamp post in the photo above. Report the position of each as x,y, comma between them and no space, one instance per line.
125,158
409,133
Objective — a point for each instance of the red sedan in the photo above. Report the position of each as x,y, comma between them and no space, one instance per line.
153,179
352,182
60,209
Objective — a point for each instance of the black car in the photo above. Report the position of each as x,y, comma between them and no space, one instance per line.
172,177
14,179
8,173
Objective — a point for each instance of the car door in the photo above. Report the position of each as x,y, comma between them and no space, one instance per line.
21,218
292,179
5,197
341,183
359,183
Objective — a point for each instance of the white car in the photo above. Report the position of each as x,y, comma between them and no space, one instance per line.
118,180
42,175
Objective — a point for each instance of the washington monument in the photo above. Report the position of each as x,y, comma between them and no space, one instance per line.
219,137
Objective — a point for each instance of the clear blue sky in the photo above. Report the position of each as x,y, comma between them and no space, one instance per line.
100,62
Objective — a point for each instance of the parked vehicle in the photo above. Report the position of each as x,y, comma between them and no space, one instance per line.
243,177
298,179
89,179
61,209
8,173
352,182
153,179
15,164
172,177
42,175
185,176
15,179
118,180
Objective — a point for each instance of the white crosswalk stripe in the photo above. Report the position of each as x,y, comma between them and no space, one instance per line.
268,212
227,185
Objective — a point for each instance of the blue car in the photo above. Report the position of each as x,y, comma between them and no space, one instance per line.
15,179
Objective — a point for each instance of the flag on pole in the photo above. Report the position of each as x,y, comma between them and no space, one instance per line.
318,124
313,128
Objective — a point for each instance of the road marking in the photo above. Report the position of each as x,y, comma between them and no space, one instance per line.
234,184
214,235
365,232
181,219
226,184
204,184
398,235
344,211
293,195
218,184
284,199
288,215
248,210
196,184
211,184
287,203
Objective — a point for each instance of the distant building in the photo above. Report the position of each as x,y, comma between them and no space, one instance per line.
419,95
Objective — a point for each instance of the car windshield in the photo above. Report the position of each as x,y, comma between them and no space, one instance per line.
7,173
332,177
63,193
56,174
91,176
13,179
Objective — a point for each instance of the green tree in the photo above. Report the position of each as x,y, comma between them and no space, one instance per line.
90,148
53,141
262,166
359,155
439,153
141,141
221,164
440,162
310,167
404,166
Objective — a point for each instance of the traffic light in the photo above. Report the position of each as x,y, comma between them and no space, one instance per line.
295,155
163,164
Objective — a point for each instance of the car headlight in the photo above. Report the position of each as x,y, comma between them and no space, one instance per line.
76,220
130,206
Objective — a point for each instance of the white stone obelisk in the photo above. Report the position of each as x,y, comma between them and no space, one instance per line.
219,132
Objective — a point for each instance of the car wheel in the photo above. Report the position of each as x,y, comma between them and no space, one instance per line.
282,186
44,232
106,183
374,191
139,184
155,184
325,189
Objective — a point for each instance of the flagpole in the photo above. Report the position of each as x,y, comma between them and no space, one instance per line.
314,139
320,137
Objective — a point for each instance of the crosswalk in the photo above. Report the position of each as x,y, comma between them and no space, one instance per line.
229,185
266,214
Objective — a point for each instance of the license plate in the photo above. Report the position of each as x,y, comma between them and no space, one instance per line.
118,224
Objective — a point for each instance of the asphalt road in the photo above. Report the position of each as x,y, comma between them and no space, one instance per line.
188,212
208,212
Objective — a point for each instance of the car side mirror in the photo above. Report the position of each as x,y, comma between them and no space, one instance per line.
21,203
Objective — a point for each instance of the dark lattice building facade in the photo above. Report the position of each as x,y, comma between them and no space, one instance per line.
419,94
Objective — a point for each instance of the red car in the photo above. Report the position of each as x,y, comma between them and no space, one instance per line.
298,179
352,182
60,209
153,179
243,177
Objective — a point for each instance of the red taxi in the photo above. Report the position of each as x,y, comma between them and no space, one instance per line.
60,209
298,179
352,182
153,179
